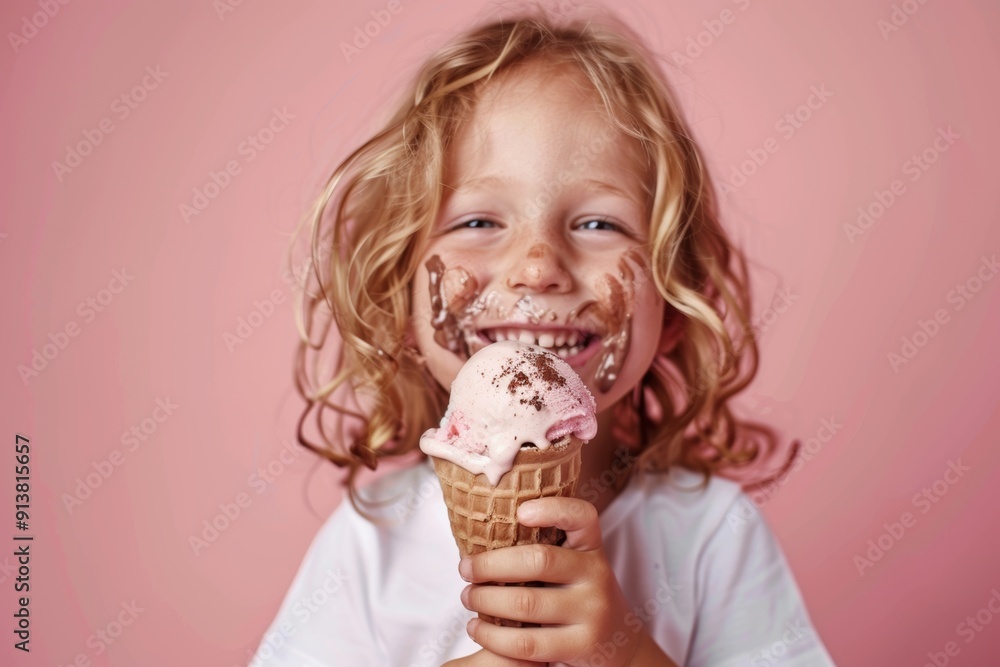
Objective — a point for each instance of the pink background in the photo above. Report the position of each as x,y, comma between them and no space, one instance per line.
163,335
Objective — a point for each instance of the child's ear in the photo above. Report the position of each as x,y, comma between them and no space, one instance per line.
673,329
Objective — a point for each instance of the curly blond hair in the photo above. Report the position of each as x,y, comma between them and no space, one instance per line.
372,221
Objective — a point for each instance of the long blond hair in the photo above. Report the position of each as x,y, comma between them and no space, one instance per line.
373,218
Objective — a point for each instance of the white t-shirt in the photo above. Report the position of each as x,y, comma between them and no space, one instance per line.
701,570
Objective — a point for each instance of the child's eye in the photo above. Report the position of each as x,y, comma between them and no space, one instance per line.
477,223
601,224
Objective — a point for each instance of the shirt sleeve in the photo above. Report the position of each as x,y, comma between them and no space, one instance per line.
750,611
325,618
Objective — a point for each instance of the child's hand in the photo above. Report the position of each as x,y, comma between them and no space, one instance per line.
484,658
583,602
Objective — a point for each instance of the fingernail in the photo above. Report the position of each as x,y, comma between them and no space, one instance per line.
465,569
470,627
526,512
465,596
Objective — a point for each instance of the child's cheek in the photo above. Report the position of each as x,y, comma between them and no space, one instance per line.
458,288
623,309
453,292
613,310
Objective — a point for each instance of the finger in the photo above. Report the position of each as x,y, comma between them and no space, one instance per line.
574,515
533,604
535,644
485,658
523,563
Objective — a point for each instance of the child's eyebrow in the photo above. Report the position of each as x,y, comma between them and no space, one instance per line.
507,181
607,187
485,181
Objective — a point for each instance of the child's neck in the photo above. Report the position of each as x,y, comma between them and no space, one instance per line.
604,471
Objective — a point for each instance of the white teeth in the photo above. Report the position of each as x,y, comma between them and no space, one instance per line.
563,343
566,352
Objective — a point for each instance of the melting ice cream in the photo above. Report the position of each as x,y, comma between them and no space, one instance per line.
506,396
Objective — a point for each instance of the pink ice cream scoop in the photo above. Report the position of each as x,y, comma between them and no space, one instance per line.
507,395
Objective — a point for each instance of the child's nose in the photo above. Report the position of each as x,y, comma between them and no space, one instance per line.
538,270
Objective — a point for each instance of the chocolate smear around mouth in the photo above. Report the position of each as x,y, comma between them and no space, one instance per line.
452,291
613,312
456,302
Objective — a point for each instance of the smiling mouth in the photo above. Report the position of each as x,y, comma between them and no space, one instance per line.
569,344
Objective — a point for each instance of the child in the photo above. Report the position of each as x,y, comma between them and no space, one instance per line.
539,183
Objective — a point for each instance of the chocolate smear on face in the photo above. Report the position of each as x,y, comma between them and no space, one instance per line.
614,314
452,292
615,345
532,312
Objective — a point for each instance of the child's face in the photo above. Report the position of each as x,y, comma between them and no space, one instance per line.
542,236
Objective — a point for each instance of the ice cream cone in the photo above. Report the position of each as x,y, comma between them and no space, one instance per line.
484,517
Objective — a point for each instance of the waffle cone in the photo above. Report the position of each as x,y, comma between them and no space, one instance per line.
484,517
